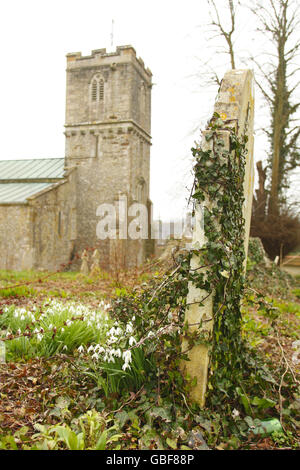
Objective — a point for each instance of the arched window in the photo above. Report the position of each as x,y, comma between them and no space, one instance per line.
97,89
141,190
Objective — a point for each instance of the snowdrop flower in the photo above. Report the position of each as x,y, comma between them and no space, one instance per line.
91,348
65,348
129,328
125,366
235,413
50,326
132,341
99,348
118,352
112,340
62,330
68,322
22,317
19,331
95,356
80,349
127,356
39,337
16,314
111,332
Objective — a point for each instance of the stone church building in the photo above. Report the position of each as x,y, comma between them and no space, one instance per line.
48,207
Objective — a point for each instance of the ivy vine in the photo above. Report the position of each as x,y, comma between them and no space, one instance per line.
160,308
219,177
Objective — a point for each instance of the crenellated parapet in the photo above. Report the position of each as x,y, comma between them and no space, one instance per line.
122,54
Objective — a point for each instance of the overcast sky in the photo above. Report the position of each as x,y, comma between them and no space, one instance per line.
169,35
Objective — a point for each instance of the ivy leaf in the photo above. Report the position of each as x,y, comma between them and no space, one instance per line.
225,273
172,443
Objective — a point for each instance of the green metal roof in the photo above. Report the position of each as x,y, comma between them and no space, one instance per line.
20,179
19,192
42,168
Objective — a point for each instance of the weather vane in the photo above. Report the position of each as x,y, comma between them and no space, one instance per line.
112,32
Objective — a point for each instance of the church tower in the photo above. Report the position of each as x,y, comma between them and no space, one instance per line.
107,129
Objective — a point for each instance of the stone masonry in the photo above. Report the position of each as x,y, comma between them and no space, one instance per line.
107,156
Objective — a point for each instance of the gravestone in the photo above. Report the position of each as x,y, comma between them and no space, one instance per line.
84,265
95,268
235,105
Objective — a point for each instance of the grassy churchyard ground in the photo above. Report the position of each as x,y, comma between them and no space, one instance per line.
77,374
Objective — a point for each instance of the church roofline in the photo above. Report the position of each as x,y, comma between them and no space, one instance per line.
126,52
32,170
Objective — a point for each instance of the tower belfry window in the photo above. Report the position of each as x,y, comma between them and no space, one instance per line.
97,89
101,90
94,90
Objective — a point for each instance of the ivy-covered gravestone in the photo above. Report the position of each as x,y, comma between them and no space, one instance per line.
224,178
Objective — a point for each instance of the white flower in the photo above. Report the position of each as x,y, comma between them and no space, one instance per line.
132,341
125,366
118,352
65,348
112,340
39,337
80,349
95,356
19,331
235,413
127,356
16,314
129,328
91,348
22,317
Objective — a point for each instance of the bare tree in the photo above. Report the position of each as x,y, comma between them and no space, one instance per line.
220,27
279,22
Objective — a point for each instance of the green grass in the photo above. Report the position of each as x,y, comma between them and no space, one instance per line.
21,291
287,307
19,276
